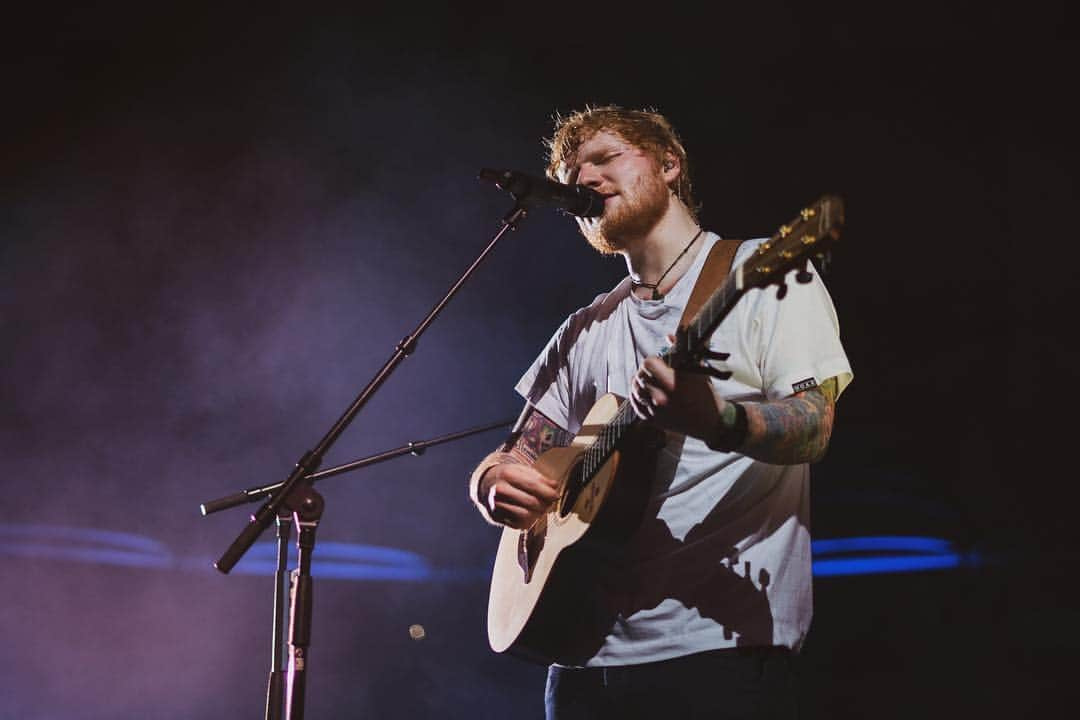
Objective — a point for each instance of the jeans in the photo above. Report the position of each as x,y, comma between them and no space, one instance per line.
718,684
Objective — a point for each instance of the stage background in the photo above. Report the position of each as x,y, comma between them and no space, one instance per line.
216,223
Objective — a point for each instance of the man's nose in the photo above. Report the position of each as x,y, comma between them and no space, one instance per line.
589,176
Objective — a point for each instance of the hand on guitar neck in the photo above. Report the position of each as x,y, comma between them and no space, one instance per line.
684,402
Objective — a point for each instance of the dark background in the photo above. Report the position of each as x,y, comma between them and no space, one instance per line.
215,225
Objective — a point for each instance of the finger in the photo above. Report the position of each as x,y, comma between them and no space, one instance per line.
515,518
545,492
529,480
657,398
641,394
657,391
640,385
657,374
645,380
554,484
522,501
527,500
641,408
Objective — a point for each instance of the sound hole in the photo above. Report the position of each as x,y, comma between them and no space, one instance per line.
575,483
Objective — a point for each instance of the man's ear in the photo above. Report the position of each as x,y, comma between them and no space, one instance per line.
671,167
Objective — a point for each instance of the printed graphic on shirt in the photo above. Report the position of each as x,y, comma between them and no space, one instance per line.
804,384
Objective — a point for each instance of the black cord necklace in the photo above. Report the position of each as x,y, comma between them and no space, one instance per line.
655,287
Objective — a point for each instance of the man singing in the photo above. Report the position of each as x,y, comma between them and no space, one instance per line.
713,594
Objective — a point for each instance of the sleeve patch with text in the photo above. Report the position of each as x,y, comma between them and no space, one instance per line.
804,384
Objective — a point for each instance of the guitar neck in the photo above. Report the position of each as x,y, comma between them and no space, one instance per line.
607,440
688,343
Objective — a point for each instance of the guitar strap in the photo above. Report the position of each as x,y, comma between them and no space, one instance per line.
715,271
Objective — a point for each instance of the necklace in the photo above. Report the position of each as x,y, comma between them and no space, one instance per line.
655,287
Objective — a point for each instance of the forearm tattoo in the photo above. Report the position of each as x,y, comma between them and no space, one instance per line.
793,430
534,435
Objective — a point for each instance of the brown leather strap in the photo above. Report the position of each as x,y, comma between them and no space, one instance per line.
716,269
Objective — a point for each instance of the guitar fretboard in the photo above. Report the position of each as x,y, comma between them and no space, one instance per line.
704,323
606,441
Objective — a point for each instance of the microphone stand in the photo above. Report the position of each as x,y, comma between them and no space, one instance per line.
416,447
296,498
275,691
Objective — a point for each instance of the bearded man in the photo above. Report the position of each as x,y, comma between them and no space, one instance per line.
712,598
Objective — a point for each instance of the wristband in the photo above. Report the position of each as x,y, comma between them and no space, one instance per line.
728,439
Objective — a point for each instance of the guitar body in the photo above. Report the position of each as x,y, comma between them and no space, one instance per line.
549,599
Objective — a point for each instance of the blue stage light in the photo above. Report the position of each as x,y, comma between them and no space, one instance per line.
880,554
866,555
343,561
88,545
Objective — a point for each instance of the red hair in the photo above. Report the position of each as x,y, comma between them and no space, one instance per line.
645,129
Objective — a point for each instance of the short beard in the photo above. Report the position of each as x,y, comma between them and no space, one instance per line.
637,215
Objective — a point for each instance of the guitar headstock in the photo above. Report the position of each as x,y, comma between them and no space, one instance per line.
811,233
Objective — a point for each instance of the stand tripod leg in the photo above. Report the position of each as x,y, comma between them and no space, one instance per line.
275,689
307,520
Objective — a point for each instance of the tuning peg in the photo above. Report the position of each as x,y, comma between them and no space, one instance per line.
713,355
804,276
702,367
781,291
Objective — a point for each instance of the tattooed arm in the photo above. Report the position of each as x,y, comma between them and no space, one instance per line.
505,487
789,431
793,430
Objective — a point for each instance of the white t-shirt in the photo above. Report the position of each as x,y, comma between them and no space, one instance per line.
722,557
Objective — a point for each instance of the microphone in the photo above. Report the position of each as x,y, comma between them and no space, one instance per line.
530,191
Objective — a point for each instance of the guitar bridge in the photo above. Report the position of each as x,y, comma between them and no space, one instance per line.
530,543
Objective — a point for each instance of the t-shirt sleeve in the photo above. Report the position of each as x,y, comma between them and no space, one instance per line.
796,339
546,384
